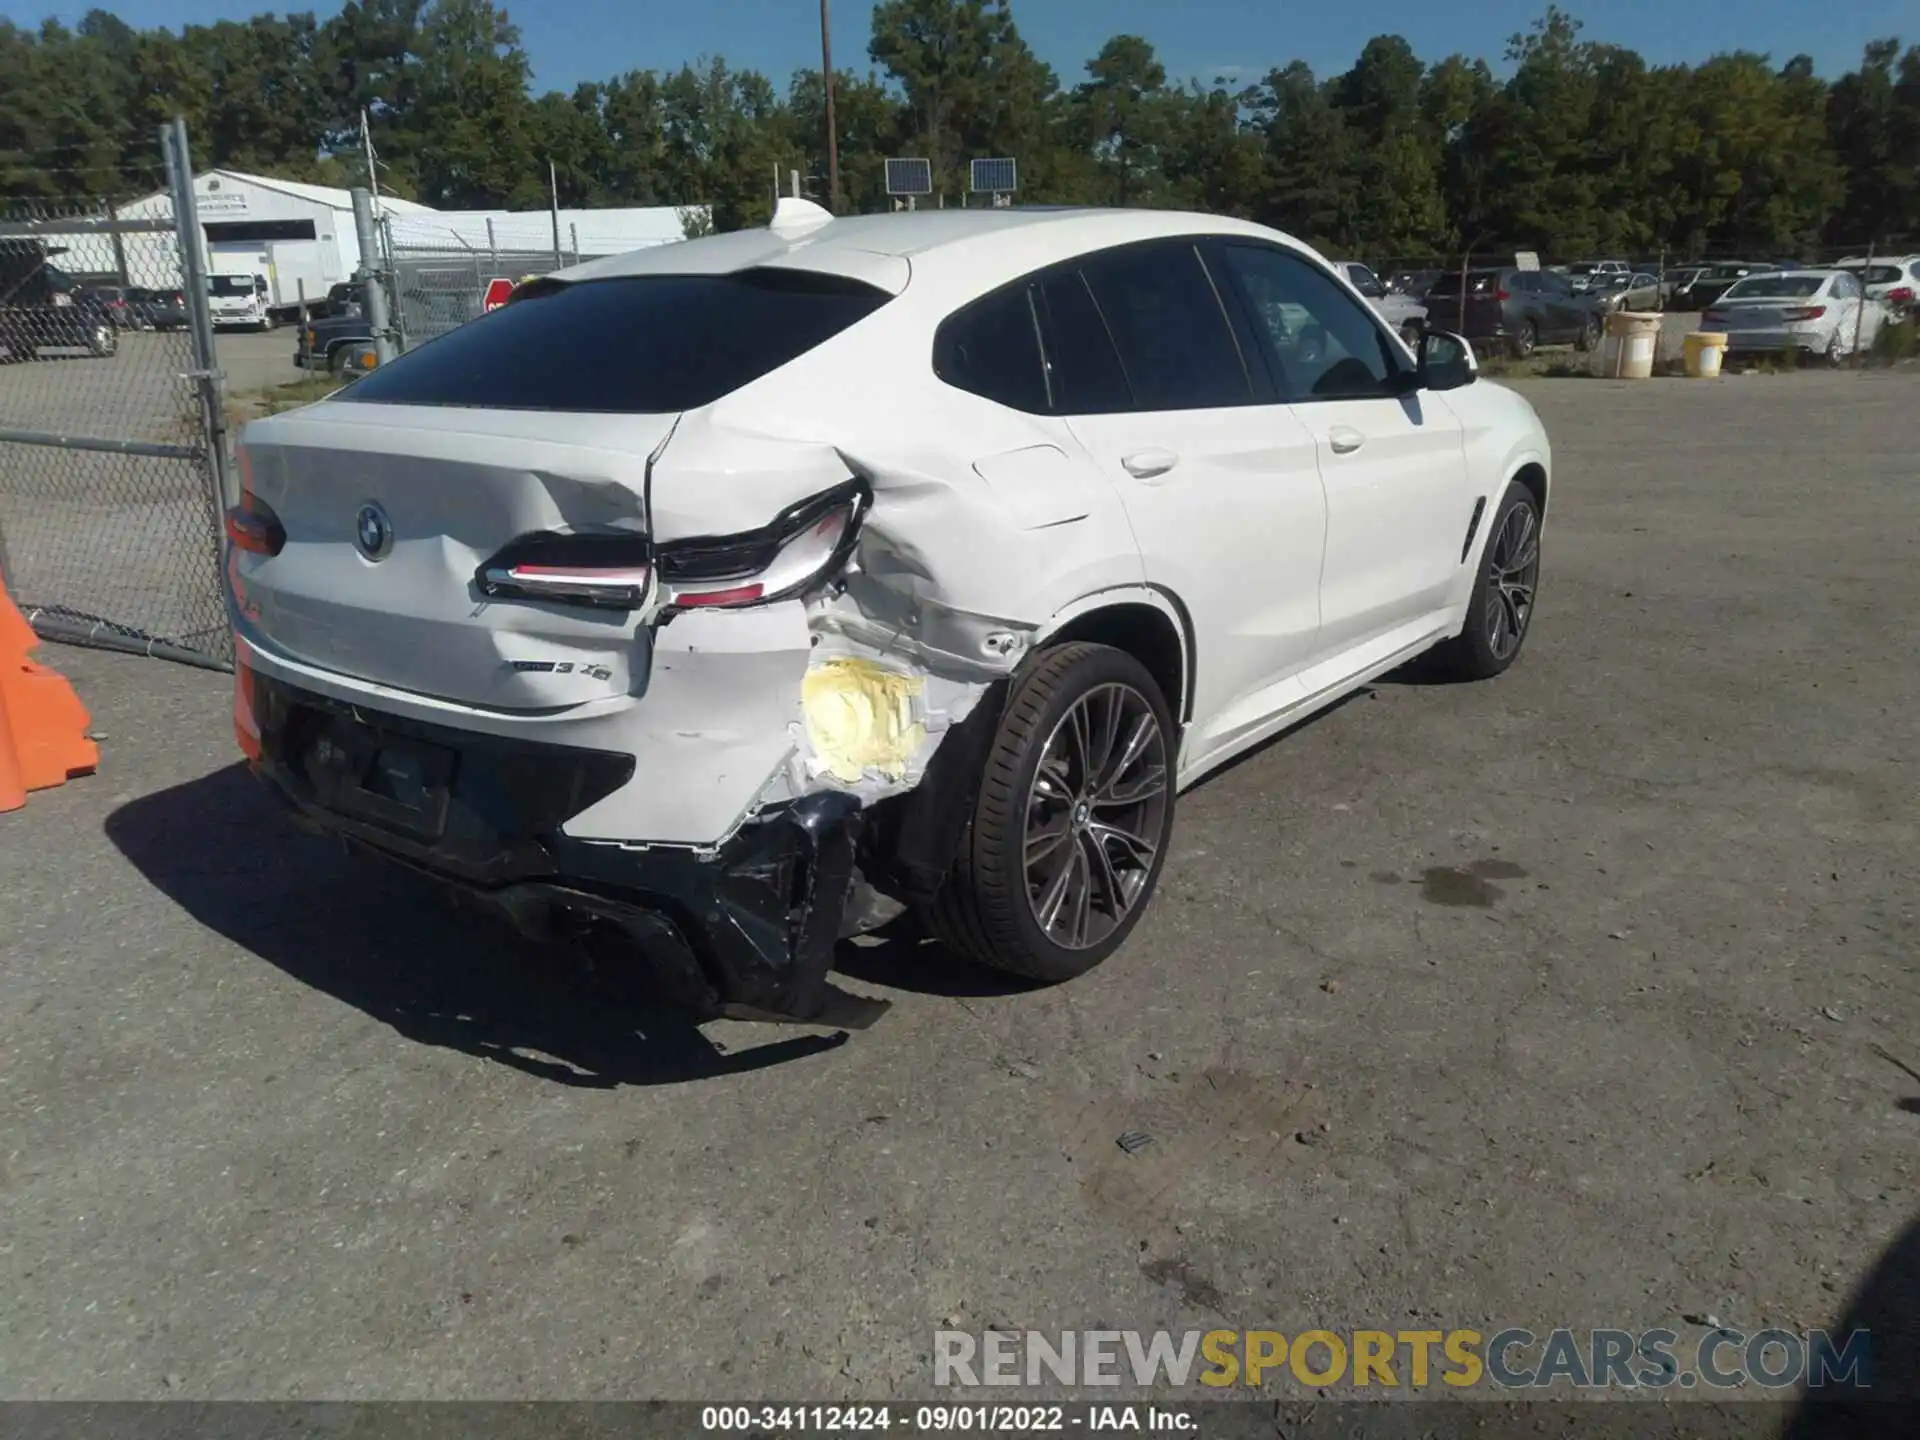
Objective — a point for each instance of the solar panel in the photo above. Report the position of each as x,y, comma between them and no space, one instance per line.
993,177
909,177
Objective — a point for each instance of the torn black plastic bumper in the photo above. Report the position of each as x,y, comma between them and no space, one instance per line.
746,931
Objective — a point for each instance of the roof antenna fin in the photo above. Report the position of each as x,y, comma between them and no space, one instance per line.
794,216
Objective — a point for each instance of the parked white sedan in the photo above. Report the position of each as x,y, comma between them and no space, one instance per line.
1819,311
938,551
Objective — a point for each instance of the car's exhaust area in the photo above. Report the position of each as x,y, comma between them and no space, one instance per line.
744,929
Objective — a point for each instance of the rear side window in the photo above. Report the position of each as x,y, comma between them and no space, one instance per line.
992,349
1173,337
642,344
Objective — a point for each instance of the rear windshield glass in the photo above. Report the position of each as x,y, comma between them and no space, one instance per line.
642,344
1479,282
1875,274
1776,287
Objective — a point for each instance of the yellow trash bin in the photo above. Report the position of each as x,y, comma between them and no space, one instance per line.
1705,350
1627,351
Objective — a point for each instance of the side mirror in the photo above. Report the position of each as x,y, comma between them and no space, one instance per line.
1446,361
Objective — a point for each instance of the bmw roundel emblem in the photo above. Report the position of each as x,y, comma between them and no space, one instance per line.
372,531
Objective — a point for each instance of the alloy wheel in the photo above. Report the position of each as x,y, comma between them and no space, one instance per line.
1513,569
1095,815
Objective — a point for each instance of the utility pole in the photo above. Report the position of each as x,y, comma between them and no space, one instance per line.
366,144
833,133
553,191
373,275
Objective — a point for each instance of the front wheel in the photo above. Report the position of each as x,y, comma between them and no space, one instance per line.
1501,609
102,341
1069,827
1589,334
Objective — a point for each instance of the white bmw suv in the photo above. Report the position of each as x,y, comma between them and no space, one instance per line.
704,593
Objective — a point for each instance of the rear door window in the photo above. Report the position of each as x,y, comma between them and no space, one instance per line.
992,349
639,344
1167,323
1083,367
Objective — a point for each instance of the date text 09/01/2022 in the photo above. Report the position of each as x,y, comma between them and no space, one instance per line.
935,1419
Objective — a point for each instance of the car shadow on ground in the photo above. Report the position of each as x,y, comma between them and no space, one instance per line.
901,955
400,949
1887,1306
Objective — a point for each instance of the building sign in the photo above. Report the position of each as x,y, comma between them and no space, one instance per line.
215,201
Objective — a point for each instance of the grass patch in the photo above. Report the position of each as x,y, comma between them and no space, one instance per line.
273,399
1895,344
300,392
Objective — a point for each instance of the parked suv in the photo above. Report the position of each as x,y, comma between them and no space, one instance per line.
697,593
1520,309
1894,282
43,309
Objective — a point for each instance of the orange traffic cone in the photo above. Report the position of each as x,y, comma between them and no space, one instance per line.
43,725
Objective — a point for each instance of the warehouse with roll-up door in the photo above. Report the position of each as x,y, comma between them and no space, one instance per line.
299,238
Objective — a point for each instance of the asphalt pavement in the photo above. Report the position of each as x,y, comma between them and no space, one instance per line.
1581,997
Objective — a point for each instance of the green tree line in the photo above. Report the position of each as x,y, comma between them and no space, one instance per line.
1567,144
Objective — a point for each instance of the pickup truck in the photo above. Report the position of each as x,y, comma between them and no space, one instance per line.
327,342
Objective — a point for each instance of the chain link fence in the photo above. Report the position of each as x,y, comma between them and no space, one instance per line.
110,428
440,279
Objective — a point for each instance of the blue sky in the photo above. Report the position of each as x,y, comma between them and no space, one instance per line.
573,40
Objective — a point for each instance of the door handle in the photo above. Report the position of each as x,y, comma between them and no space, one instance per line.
1146,464
1345,439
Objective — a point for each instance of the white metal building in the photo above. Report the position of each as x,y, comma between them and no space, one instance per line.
300,237
582,232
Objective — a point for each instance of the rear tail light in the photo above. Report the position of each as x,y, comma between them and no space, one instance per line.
1807,312
804,545
1900,295
615,570
1502,295
609,570
251,525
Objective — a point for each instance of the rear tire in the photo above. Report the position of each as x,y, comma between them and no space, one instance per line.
1525,340
1589,335
1070,823
1500,613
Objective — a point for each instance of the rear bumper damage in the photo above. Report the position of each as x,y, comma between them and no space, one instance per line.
746,929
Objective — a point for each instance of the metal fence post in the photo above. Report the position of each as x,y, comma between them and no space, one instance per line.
208,377
373,274
1860,311
119,245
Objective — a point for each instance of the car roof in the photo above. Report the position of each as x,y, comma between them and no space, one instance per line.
959,249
